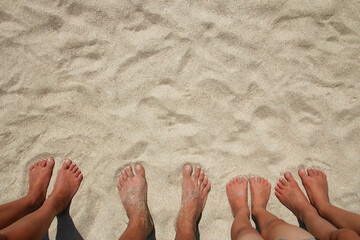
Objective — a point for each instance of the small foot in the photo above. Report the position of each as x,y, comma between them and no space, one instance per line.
39,178
237,193
316,186
260,190
291,196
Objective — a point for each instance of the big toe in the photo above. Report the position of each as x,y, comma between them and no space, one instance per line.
139,170
66,164
289,177
302,174
50,163
187,170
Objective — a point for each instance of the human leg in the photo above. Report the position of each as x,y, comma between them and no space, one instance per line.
271,226
344,234
35,225
316,186
195,189
290,195
39,178
133,194
241,229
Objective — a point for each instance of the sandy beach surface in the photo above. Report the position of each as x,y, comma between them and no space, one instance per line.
238,87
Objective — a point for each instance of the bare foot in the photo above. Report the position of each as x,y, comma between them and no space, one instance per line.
195,190
316,187
39,178
260,193
133,194
289,194
66,185
237,193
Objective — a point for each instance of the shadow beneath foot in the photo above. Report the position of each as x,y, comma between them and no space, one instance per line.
66,229
151,235
197,233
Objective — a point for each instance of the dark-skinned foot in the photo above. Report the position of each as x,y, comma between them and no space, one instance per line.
316,186
39,178
291,196
66,185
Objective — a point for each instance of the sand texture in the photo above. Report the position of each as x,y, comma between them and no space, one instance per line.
239,87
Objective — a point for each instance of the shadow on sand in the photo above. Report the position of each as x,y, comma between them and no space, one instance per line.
66,229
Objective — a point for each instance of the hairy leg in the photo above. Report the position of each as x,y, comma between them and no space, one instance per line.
35,225
290,195
271,227
237,193
39,178
133,194
195,189
316,186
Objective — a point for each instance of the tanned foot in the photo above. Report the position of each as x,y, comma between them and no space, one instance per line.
237,193
291,196
66,185
195,190
316,187
133,194
39,178
260,190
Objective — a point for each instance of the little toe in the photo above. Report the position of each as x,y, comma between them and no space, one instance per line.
77,173
129,171
139,170
187,170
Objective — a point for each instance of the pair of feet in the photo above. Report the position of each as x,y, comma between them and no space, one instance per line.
287,191
316,187
133,194
195,189
66,185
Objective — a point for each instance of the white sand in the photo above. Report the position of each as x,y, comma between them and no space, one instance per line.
242,87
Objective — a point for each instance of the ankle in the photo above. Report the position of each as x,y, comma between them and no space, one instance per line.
244,212
305,212
322,207
185,224
54,204
33,202
257,210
